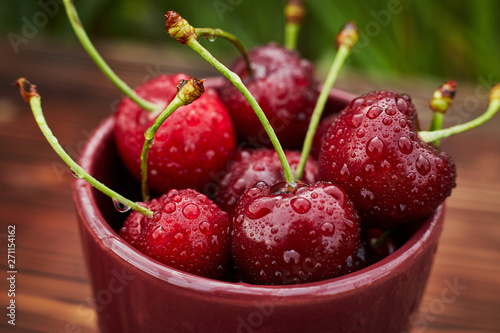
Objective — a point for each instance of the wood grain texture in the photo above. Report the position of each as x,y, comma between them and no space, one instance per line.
52,291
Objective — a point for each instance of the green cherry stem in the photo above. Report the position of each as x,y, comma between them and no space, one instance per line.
346,40
33,98
211,33
148,143
236,81
187,92
493,107
294,15
184,33
77,26
440,102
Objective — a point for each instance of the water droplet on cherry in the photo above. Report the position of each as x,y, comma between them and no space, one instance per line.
375,147
405,145
423,165
411,176
239,220
402,105
200,246
157,216
344,172
390,111
300,205
348,223
205,228
356,120
385,166
191,211
291,256
202,198
327,229
356,104
169,208
387,121
370,168
336,193
367,194
158,232
374,112
257,209
209,155
172,193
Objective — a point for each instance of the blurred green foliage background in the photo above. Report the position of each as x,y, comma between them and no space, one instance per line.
448,39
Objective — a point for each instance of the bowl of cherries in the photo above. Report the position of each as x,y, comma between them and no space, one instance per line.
260,200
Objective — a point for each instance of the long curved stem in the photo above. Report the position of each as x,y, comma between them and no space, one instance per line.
212,33
149,135
77,26
429,136
236,81
337,64
35,102
346,39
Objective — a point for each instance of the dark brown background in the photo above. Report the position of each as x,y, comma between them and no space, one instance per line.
52,291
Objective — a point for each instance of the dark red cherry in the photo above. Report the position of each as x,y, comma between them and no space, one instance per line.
187,231
320,133
374,152
281,236
253,166
194,143
284,85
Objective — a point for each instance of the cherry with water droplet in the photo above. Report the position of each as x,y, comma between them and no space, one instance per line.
253,166
297,235
184,222
189,147
285,87
390,179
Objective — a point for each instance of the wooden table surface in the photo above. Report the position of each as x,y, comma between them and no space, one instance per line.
52,292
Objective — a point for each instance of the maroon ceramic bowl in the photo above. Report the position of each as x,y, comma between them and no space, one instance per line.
134,293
